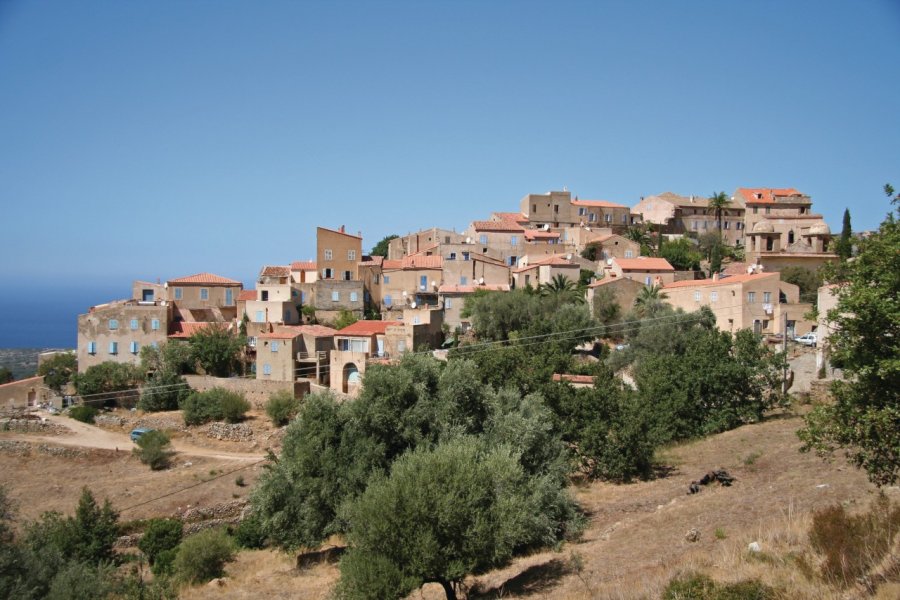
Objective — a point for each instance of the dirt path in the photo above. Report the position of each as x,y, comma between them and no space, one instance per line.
89,436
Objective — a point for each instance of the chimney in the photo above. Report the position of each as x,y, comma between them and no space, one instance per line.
341,229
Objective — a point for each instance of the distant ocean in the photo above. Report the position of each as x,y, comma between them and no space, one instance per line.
47,317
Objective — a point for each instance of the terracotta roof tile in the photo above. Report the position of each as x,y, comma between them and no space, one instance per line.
367,327
537,234
555,260
275,271
511,217
303,265
766,195
417,261
644,263
18,381
730,279
573,378
371,261
204,278
246,295
598,203
498,226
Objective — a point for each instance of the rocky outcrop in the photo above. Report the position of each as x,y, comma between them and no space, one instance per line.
230,432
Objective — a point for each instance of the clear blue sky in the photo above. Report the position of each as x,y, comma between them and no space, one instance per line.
160,139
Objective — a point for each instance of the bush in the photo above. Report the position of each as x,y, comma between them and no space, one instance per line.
165,391
282,407
154,449
83,413
162,535
202,556
696,586
214,405
852,545
249,533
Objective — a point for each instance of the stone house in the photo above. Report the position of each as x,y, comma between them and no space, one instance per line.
354,346
556,210
116,331
277,301
758,301
337,254
647,270
619,290
682,215
289,353
204,297
453,299
26,393
420,241
543,270
505,237
614,246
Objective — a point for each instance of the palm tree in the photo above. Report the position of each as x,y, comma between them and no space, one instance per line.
638,234
562,288
717,204
649,298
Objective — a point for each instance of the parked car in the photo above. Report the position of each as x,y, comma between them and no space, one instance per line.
137,433
807,339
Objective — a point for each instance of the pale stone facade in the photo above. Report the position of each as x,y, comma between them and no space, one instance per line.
337,254
117,331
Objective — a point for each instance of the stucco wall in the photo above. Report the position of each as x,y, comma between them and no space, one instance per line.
95,327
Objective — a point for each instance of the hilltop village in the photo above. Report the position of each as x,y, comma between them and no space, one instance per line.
413,297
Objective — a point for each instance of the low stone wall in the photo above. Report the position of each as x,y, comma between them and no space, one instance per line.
256,391
32,426
230,432
26,448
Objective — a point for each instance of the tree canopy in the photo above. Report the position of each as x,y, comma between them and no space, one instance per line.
865,341
58,370
381,248
217,349
109,382
681,254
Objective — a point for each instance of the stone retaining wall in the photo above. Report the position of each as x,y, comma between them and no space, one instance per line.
32,426
26,448
256,391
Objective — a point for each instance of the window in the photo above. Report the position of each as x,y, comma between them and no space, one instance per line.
353,296
303,296
608,218
335,296
713,296
767,297
534,208
705,224
463,280
274,345
264,295
260,316
229,296
387,300
647,280
465,256
448,303
351,254
556,208
154,324
348,275
416,320
327,273
482,239
727,224
401,346
178,292
267,369
697,296
768,210
92,347
755,210
134,324
114,347
628,253
327,254
386,278
204,293
624,219
751,297
513,240
511,261
134,347
452,256
592,218
694,225
113,323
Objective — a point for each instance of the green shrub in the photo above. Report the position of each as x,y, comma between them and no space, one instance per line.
214,405
282,407
154,449
249,533
852,545
234,406
696,586
161,535
202,556
83,413
166,390
165,562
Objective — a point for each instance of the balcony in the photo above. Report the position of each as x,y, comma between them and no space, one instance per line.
312,356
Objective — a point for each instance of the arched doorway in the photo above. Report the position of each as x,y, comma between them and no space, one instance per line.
791,236
350,378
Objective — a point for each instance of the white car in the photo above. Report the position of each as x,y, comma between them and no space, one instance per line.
807,339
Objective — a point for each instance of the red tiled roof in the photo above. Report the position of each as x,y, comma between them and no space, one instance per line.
573,378
185,329
245,295
359,237
18,381
388,265
511,217
204,278
498,226
730,279
303,265
767,195
555,260
424,250
610,278
275,271
537,234
367,328
598,203
371,261
644,263
471,289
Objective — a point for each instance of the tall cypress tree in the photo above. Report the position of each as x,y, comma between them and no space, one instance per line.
845,244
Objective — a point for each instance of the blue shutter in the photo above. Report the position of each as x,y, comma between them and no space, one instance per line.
267,369
387,300
113,347
134,347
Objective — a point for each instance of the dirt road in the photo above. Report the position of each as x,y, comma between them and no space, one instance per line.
89,436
